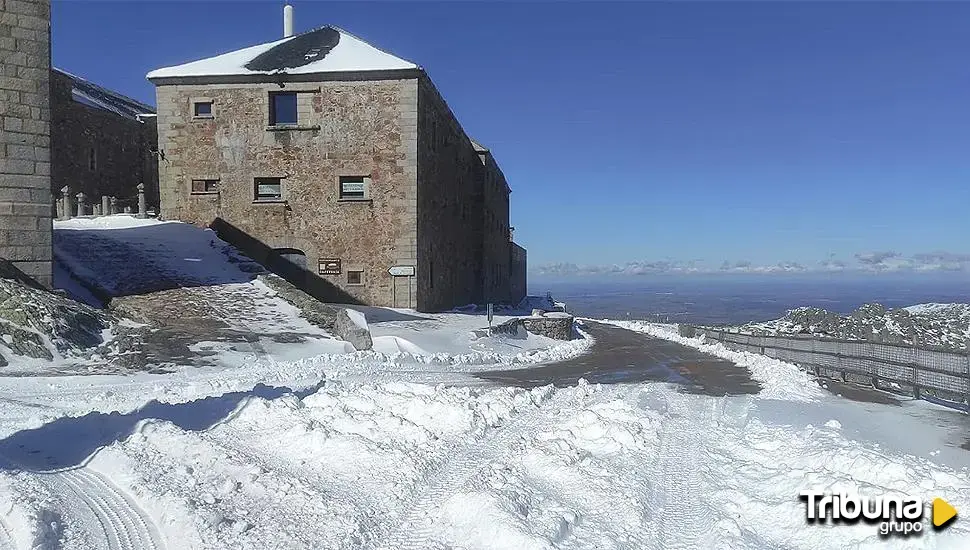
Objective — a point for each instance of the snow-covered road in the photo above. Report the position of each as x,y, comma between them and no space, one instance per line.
398,464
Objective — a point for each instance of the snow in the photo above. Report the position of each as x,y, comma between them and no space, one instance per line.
315,445
922,309
357,318
350,54
115,221
391,463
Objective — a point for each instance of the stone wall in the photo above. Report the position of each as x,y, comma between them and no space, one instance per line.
555,326
25,194
346,128
99,152
519,271
496,260
450,213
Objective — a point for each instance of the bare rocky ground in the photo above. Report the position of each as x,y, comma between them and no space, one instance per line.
167,289
42,325
169,323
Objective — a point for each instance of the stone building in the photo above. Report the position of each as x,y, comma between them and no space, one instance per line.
101,142
25,189
340,165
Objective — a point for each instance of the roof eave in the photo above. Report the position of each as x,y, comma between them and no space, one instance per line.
278,77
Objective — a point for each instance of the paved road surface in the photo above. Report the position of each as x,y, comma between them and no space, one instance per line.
621,355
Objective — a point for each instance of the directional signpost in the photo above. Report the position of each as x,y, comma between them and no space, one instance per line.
401,270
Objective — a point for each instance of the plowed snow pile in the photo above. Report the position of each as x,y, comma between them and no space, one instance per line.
402,465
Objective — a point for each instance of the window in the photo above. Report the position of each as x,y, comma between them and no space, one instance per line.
355,277
354,187
92,159
267,189
282,108
205,186
202,109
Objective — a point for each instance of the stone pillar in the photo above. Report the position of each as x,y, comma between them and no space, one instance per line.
59,208
114,205
80,204
96,209
67,208
142,203
105,205
25,184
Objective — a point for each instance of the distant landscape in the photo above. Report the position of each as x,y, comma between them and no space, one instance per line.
738,299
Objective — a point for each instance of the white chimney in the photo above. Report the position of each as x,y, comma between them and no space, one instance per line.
287,21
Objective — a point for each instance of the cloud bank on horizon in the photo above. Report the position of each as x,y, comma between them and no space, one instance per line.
863,262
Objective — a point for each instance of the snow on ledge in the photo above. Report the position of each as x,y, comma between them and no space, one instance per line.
114,221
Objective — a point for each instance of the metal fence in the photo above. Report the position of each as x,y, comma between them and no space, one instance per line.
935,374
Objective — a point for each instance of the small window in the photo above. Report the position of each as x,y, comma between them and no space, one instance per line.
205,186
268,189
202,109
92,159
282,108
354,187
355,277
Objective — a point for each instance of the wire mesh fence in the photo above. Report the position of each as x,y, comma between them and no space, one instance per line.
935,374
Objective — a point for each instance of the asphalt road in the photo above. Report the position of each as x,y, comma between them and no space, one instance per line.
619,355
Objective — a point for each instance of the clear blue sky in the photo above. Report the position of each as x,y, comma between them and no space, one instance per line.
759,132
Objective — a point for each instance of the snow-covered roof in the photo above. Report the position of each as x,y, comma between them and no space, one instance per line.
324,50
90,94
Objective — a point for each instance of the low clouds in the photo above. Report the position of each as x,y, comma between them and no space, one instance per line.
862,262
880,261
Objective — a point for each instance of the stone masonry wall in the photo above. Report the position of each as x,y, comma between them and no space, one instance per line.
121,150
450,212
25,195
496,245
346,128
519,272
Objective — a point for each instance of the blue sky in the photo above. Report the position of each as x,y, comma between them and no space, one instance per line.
671,134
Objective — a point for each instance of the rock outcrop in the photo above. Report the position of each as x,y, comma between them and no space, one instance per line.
937,325
40,324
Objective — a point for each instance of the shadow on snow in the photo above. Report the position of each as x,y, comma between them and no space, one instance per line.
68,442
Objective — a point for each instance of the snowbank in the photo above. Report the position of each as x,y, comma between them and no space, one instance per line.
317,472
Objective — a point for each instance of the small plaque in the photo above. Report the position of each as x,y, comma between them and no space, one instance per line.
329,266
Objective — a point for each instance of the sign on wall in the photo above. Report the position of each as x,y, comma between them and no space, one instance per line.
329,266
402,270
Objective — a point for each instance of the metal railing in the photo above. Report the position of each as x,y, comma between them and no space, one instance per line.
935,374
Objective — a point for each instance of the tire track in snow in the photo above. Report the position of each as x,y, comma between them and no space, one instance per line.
598,509
6,541
103,511
682,516
414,530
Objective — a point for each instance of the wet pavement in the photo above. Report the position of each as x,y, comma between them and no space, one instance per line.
619,356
